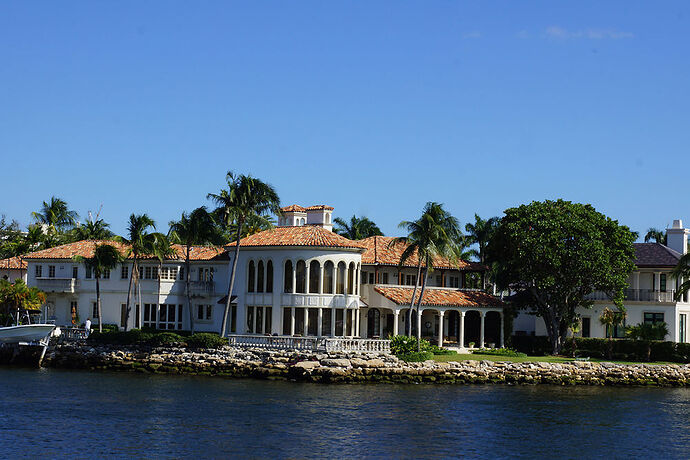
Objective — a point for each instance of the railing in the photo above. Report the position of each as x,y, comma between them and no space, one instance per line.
201,287
57,284
641,295
73,333
329,344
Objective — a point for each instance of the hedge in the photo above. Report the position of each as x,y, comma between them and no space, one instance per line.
531,345
159,338
628,350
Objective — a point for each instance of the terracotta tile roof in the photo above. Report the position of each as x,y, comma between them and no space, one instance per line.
378,252
440,297
306,235
320,207
86,249
293,208
13,263
655,255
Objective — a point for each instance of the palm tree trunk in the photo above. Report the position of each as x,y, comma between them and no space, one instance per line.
129,295
414,292
240,222
419,303
139,291
189,296
98,304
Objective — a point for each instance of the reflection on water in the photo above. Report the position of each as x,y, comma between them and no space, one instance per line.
50,413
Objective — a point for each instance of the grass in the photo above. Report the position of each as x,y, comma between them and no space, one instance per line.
528,359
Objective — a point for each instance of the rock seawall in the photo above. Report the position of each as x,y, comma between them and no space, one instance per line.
355,367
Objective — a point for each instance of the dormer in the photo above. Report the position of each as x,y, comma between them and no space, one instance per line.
320,215
296,216
293,216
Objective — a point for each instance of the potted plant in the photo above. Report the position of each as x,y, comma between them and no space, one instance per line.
471,344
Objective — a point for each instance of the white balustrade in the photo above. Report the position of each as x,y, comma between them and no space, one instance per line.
329,344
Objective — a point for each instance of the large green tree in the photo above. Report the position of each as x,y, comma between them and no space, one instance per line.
16,298
358,228
105,257
245,197
554,253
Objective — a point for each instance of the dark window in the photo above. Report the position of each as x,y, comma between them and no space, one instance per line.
439,280
340,281
372,278
586,327
269,276
328,278
260,277
124,272
301,277
288,276
653,318
51,271
314,274
75,272
365,278
662,282
351,278
250,277
385,278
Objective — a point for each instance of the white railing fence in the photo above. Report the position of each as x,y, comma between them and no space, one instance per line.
328,344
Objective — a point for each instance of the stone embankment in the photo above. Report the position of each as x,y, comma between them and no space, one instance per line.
355,367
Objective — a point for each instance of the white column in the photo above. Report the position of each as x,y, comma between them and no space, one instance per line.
636,285
306,321
357,315
319,327
307,277
481,329
333,310
321,279
294,277
502,340
396,317
461,334
292,321
440,328
419,324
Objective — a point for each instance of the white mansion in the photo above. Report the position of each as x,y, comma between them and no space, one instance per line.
298,279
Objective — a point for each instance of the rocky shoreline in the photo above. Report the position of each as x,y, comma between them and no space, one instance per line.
354,367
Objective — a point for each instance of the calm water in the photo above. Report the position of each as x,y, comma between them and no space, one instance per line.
50,413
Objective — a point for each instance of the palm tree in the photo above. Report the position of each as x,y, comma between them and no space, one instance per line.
358,228
56,214
480,233
162,249
18,297
105,257
659,236
648,332
610,319
141,243
92,230
194,229
682,271
245,196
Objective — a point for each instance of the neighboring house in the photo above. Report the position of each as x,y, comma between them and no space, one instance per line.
71,287
650,297
12,269
467,315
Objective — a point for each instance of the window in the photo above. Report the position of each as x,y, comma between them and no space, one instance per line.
88,273
181,272
204,312
260,277
340,281
365,278
250,277
269,276
124,272
351,279
385,278
586,326
328,277
39,271
301,277
150,314
314,275
170,316
147,273
250,320
682,327
75,272
662,282
205,273
288,276
653,318
51,271
170,273
372,278
106,274
439,280
94,314
123,315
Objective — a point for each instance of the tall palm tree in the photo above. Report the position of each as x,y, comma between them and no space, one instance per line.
105,257
659,236
161,249
245,196
141,244
480,233
682,270
194,229
56,214
358,228
92,230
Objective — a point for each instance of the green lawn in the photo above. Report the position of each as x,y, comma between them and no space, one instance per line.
546,359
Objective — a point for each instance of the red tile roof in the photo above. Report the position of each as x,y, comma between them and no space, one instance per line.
13,263
86,249
440,297
378,252
293,208
306,235
320,207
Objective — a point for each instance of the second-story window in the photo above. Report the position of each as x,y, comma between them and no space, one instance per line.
88,273
287,273
662,282
51,271
124,272
250,277
39,271
269,276
385,278
106,274
75,272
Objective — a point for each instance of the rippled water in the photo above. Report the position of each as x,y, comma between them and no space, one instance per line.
49,413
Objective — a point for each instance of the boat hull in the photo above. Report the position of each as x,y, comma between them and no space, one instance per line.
25,333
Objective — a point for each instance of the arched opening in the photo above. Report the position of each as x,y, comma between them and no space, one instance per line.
351,279
269,276
492,329
288,276
301,277
314,274
472,328
453,326
340,280
373,322
328,278
250,277
260,277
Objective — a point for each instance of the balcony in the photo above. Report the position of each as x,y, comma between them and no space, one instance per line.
60,285
637,295
202,288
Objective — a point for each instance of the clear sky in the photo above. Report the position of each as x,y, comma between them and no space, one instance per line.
372,107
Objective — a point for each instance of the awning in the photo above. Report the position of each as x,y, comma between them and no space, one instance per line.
224,300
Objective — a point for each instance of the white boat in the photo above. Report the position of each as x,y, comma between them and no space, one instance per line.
26,333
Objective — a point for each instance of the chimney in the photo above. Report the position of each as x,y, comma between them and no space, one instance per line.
677,237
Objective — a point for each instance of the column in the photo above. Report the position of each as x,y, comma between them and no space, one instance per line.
292,321
321,270
396,317
294,278
461,335
256,313
636,285
306,321
308,275
357,315
333,310
382,319
502,341
319,327
657,286
419,325
440,328
481,329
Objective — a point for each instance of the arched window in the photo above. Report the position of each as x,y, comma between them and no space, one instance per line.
314,275
328,278
328,218
288,276
269,276
301,277
250,277
351,279
260,277
340,280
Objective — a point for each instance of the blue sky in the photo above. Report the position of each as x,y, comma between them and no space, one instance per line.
371,107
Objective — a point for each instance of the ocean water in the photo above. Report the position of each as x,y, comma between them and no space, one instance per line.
53,414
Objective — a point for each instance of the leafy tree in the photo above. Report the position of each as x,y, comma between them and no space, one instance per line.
554,253
18,297
194,229
11,238
648,332
245,196
682,271
105,257
141,244
358,228
659,236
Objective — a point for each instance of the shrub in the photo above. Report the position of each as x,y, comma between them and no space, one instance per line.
402,344
531,345
629,350
499,352
164,338
415,357
107,327
206,340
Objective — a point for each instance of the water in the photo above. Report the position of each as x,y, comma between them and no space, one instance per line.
49,413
